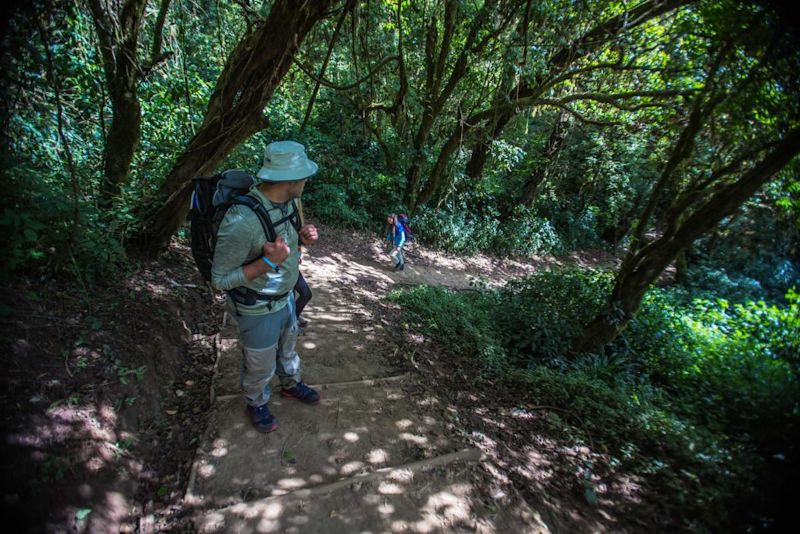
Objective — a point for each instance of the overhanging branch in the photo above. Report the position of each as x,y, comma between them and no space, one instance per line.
347,87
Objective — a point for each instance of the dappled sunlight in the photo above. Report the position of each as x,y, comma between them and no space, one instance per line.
340,441
378,456
385,509
291,483
450,504
390,488
390,502
351,468
404,424
414,438
206,470
345,269
359,452
84,441
220,448
428,402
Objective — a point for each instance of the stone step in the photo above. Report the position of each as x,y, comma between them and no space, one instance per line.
357,428
435,495
326,358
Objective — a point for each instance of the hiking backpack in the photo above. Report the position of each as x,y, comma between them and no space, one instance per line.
211,199
403,219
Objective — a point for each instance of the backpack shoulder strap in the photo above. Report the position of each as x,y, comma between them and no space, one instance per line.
294,216
261,213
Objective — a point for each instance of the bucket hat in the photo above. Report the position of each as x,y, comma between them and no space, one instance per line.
286,161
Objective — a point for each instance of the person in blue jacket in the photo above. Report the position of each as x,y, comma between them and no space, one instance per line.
396,235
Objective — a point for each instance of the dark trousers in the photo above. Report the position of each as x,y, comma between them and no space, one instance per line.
303,294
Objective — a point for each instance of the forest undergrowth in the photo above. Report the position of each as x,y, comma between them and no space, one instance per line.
698,396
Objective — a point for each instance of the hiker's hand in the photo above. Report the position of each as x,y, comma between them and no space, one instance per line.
278,251
308,234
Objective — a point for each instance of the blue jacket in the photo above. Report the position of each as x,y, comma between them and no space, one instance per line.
397,235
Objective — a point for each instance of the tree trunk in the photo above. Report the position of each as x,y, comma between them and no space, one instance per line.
681,266
480,153
321,75
118,35
235,112
434,71
414,172
434,183
438,95
644,266
554,145
123,139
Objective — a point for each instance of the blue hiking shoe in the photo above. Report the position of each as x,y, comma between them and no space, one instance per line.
301,392
262,418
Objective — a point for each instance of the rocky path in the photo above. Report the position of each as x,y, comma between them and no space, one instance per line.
375,456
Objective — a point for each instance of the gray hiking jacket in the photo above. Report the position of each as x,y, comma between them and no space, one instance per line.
240,240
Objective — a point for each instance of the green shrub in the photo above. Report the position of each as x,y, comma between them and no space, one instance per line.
697,393
735,368
462,321
37,218
330,204
542,313
455,230
526,234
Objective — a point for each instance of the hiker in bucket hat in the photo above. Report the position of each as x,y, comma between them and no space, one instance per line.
267,272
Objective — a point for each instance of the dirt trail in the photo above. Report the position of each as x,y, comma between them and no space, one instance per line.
379,454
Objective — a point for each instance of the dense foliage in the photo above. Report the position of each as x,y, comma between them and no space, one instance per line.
511,127
699,395
371,126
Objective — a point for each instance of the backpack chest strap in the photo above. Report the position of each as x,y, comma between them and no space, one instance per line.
264,218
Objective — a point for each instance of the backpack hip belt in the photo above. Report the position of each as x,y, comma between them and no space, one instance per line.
250,297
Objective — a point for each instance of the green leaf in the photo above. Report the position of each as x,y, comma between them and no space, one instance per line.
93,322
590,495
82,513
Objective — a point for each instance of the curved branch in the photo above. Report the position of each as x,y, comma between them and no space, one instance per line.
579,115
401,94
337,87
611,99
348,6
155,53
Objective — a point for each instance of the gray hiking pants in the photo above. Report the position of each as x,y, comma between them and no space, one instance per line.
397,255
269,346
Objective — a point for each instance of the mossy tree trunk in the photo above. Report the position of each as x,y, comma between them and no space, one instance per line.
693,214
438,89
235,111
118,35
